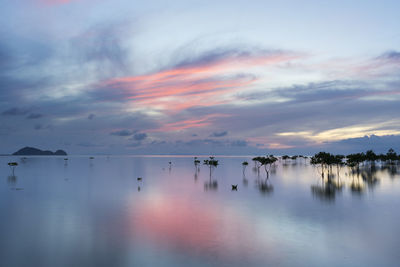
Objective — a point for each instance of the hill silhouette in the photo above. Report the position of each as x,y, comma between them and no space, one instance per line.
26,151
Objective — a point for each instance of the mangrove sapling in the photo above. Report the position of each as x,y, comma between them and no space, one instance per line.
196,164
257,164
338,161
305,158
371,157
270,161
13,165
196,168
325,161
285,157
244,165
267,162
354,160
391,156
170,166
211,163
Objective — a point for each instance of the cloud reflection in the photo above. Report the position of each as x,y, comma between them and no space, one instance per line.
195,227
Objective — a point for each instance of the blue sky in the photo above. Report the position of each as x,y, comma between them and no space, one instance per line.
191,77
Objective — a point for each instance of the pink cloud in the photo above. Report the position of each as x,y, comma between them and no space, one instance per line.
380,67
55,2
189,123
197,84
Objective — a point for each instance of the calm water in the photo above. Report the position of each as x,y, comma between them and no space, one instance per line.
96,213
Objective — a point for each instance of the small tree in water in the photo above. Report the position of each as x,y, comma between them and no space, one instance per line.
326,161
266,162
196,162
212,163
196,167
285,157
257,164
391,156
244,165
354,160
13,165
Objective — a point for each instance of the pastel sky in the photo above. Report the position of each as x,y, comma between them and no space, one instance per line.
199,77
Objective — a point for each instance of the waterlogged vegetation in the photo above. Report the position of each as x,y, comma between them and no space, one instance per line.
361,168
328,162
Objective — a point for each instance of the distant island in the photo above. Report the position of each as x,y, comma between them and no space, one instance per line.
31,151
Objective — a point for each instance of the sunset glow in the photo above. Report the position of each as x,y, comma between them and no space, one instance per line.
186,75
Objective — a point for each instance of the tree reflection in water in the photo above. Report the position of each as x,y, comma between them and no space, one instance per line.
196,168
326,191
391,169
264,185
244,166
12,180
211,184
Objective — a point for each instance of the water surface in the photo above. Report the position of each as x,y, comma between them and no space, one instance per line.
94,212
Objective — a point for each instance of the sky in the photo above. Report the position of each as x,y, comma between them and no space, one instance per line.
200,77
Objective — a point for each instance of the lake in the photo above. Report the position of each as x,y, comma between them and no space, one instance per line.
95,212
